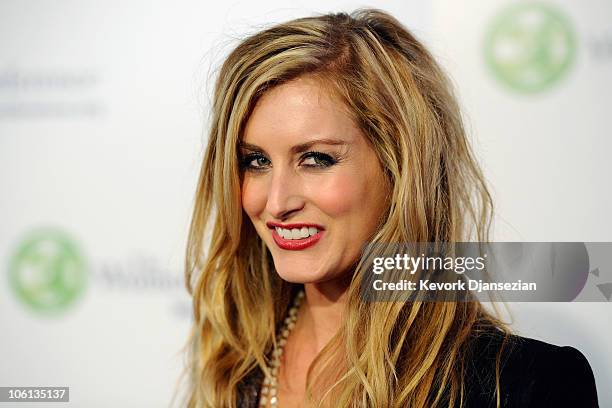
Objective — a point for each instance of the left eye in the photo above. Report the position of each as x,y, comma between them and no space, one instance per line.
254,161
317,159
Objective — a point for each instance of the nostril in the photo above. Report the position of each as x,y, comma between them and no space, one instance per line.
285,215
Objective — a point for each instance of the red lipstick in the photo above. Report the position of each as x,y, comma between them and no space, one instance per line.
295,244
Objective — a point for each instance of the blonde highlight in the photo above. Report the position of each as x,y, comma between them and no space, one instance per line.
404,104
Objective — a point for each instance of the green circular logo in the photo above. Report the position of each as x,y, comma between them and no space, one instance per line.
530,46
47,271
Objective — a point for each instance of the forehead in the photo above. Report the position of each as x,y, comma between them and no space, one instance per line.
298,111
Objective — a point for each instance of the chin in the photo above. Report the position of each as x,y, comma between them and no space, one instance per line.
295,274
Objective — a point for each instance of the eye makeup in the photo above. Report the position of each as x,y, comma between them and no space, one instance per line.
318,159
257,161
246,161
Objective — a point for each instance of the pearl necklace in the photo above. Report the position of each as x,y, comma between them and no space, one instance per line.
269,389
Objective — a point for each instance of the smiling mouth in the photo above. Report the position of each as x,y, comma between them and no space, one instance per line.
295,237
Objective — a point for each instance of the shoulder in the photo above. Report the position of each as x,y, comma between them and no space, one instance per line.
533,373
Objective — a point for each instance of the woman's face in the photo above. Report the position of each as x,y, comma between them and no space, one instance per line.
312,185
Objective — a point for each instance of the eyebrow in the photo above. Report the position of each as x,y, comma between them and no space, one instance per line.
298,148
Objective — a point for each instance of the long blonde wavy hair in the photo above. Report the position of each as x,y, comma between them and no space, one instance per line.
392,354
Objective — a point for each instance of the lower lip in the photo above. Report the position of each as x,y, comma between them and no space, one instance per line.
296,244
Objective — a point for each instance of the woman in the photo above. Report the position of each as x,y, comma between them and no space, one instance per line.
328,133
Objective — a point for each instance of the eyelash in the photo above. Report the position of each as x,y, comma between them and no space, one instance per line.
245,162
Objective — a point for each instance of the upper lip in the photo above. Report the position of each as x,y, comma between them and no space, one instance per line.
272,225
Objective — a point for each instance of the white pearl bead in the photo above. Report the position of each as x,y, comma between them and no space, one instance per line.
270,383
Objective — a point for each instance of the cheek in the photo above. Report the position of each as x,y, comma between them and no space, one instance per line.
339,196
253,196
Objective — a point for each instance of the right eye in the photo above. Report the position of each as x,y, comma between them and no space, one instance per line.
254,161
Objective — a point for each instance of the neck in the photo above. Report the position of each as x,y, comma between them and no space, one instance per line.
323,311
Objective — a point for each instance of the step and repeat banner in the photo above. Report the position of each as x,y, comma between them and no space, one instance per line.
103,111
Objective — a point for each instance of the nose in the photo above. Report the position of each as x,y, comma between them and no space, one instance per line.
285,194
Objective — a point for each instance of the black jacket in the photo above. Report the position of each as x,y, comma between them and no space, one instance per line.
533,374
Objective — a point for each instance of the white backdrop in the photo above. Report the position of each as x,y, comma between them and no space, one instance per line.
102,111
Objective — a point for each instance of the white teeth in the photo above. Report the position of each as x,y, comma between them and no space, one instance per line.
280,231
296,233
